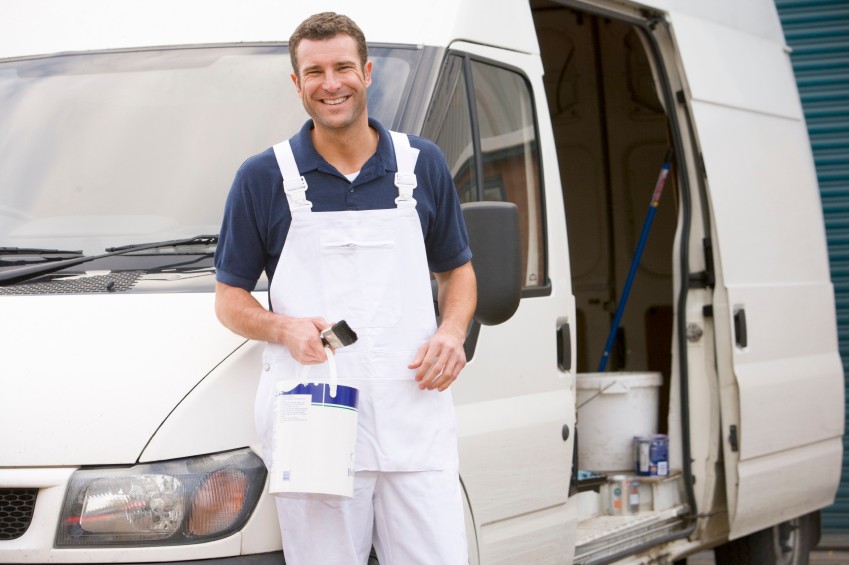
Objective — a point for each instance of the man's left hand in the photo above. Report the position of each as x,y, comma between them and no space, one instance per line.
439,361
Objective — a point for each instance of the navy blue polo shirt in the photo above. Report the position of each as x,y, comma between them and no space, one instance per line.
257,216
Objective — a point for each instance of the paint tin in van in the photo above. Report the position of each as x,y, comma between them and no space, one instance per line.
624,495
651,455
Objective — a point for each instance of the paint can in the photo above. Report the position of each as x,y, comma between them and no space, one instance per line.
315,433
651,455
624,495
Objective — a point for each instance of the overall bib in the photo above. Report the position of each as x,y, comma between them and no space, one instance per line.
370,269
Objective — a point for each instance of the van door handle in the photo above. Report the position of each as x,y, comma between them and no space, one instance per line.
564,347
740,328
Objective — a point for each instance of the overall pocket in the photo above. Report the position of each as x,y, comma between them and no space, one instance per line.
360,270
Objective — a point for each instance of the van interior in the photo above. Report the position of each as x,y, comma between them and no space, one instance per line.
612,135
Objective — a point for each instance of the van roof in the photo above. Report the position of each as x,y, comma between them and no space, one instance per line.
33,27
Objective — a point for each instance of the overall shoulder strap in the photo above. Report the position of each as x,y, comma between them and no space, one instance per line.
294,184
406,157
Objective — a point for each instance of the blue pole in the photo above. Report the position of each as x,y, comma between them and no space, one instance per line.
635,261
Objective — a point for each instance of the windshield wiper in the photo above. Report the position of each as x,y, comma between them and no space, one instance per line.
25,255
13,276
35,251
193,241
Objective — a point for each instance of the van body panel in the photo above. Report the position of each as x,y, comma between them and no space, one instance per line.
779,369
748,192
498,430
513,402
539,539
759,19
103,410
786,484
787,402
210,418
739,70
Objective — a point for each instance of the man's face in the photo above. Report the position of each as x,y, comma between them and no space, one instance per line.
332,83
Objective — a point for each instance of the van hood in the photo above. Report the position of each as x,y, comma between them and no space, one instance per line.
88,379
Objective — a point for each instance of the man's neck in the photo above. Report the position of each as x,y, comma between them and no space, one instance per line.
346,149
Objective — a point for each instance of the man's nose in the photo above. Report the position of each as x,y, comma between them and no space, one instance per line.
331,81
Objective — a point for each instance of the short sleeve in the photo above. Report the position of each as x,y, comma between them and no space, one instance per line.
446,239
241,254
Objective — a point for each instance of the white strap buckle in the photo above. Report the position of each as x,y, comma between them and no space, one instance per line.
405,157
406,183
406,180
296,192
294,184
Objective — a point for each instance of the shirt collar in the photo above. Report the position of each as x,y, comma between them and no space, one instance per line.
378,164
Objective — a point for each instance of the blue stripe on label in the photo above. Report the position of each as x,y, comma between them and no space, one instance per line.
346,396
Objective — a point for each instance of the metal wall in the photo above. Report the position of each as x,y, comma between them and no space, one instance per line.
818,33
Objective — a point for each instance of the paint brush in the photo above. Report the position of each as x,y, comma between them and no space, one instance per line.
338,335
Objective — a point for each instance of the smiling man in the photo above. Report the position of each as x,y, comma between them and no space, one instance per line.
363,218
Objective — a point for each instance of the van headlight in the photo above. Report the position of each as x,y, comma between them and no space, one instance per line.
171,502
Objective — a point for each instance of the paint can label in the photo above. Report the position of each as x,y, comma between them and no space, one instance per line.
651,455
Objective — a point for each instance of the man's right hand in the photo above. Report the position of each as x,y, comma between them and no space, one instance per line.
302,337
240,312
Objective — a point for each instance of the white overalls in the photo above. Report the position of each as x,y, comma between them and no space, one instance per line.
370,269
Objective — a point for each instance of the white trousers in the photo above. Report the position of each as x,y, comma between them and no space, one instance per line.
410,517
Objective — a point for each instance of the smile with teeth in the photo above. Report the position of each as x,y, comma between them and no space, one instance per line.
334,101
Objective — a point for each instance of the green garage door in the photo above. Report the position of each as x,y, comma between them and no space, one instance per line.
818,33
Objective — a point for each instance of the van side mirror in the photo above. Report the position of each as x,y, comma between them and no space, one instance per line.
494,240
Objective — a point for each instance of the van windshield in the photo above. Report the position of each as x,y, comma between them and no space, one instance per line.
107,149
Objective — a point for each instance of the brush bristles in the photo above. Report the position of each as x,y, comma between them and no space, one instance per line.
339,335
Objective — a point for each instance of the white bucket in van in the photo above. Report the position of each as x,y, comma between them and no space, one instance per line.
612,409
315,433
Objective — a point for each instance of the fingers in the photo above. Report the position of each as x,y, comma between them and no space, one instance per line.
304,341
309,351
440,377
439,364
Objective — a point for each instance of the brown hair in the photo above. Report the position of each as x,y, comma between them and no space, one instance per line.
326,25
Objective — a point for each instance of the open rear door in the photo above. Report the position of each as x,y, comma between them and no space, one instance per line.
781,377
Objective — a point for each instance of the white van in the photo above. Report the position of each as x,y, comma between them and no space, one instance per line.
126,433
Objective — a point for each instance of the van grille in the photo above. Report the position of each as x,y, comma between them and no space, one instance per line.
16,506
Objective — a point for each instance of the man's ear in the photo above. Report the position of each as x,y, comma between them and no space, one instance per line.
294,78
367,73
